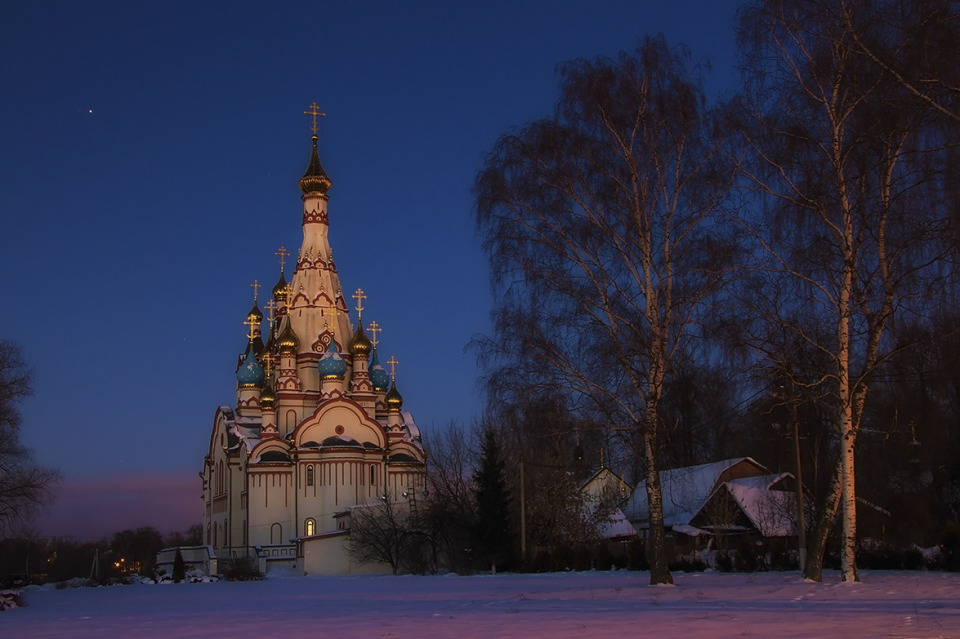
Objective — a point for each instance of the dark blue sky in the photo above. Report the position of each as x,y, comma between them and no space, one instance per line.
149,167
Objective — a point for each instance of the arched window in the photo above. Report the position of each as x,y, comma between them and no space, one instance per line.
310,475
310,527
373,475
276,534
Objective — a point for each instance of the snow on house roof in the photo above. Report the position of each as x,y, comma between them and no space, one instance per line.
616,526
770,511
685,491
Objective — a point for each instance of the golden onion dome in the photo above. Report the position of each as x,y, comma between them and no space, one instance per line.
314,179
267,397
287,341
255,315
360,345
394,398
280,290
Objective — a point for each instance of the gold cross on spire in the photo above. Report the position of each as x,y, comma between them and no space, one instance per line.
256,289
374,328
251,333
359,296
282,254
268,359
333,313
393,361
271,306
314,111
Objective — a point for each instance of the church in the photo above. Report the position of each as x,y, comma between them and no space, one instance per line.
318,427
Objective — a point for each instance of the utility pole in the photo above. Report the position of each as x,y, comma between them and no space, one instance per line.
801,528
523,517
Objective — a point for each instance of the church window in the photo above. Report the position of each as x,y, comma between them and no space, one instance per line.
310,527
310,475
373,475
276,534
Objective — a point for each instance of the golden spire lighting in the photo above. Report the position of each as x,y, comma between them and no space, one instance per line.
256,289
393,362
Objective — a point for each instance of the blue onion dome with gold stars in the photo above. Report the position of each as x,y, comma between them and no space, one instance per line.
287,341
268,399
394,398
379,376
360,345
315,179
250,373
331,365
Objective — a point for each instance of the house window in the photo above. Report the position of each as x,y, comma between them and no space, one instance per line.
310,475
310,527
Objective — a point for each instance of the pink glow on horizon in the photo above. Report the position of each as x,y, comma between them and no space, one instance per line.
96,506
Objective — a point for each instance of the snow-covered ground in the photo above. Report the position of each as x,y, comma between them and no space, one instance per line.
591,604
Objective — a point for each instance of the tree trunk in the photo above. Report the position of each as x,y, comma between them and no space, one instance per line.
848,543
659,562
817,541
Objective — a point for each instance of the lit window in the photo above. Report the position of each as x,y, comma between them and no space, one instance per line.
310,527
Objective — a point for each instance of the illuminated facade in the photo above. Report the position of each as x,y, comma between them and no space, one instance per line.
318,425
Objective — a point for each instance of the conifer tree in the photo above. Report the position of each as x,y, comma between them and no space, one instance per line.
179,568
493,536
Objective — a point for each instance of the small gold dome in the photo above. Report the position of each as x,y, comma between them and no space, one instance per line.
267,397
360,345
394,398
287,341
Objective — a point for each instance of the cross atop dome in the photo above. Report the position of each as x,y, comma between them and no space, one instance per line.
314,110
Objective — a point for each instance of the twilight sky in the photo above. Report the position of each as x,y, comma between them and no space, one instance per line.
148,173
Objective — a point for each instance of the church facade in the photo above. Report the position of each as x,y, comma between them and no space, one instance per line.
318,426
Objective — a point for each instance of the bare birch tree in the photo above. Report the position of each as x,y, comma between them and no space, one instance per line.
600,225
845,214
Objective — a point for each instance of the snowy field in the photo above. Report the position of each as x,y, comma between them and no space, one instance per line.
593,604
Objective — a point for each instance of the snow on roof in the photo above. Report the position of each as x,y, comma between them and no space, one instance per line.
770,511
685,491
616,526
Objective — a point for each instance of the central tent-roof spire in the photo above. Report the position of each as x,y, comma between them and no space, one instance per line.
315,179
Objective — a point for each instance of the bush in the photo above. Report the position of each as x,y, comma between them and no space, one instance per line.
688,563
783,560
749,557
636,556
723,560
950,548
240,569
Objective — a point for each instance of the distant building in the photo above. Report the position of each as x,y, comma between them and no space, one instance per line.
317,427
737,498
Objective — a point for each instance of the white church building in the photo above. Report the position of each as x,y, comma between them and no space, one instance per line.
318,426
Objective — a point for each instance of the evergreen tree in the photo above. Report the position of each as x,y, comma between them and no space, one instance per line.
493,537
179,568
